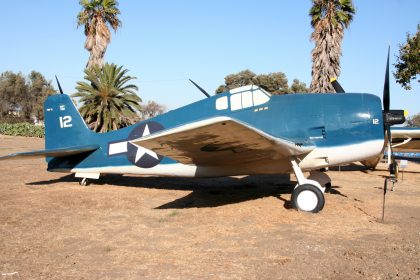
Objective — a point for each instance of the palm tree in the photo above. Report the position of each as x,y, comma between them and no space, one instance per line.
96,16
108,102
329,19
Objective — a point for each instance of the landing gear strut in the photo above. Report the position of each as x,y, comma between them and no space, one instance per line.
86,177
84,182
308,195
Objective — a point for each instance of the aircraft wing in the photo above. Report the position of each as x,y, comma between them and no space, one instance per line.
406,139
62,152
405,144
220,141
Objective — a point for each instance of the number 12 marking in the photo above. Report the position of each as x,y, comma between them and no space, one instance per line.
65,122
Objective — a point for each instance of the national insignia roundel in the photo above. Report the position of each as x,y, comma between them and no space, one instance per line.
138,155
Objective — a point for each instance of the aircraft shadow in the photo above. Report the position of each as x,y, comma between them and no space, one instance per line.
230,193
364,169
211,192
66,179
205,192
350,167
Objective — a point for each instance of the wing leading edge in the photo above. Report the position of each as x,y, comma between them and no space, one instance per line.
220,141
62,152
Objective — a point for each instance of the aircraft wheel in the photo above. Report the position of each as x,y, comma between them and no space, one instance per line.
84,182
308,198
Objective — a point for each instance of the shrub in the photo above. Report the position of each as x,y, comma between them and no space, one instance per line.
22,129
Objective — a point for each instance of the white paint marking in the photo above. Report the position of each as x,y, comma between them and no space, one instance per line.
89,175
141,151
65,121
176,170
117,148
9,273
146,130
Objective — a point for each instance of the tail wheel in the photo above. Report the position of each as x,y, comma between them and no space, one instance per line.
308,198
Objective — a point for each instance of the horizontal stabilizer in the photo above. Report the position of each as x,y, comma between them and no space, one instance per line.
62,152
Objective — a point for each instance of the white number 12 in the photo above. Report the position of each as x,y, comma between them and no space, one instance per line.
65,122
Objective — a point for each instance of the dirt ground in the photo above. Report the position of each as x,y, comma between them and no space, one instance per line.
129,227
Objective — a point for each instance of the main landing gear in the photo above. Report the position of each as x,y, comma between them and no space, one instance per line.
308,195
85,177
84,182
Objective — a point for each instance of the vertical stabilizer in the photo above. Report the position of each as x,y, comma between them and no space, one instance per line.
64,127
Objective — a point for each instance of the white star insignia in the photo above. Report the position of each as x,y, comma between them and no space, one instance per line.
142,151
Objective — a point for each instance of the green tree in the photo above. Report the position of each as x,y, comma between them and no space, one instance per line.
39,89
414,121
242,78
13,91
408,61
298,87
23,97
275,83
329,18
95,16
108,102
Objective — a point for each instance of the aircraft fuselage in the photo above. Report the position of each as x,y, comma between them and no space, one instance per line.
343,127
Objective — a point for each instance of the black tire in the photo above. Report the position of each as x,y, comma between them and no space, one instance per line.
310,192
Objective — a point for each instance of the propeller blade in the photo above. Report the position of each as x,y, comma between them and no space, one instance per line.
386,85
59,86
336,85
391,117
200,89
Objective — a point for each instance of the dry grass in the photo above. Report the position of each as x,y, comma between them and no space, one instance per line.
128,227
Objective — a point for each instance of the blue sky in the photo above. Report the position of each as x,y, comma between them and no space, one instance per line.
163,43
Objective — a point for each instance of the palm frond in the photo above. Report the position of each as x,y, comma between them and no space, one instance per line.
108,101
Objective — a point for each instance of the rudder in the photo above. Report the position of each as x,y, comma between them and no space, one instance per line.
64,126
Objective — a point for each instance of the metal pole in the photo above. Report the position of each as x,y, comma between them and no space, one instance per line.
383,203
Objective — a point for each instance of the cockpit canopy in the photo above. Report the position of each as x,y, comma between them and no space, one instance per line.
243,97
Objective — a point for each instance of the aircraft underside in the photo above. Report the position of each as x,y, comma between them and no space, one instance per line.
316,159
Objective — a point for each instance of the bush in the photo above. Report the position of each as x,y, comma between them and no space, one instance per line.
22,129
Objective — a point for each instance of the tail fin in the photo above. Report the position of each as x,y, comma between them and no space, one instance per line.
64,127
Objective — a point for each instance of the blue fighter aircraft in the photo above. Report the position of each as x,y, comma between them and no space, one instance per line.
242,132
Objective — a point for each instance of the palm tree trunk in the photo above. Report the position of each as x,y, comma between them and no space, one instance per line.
326,56
96,44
